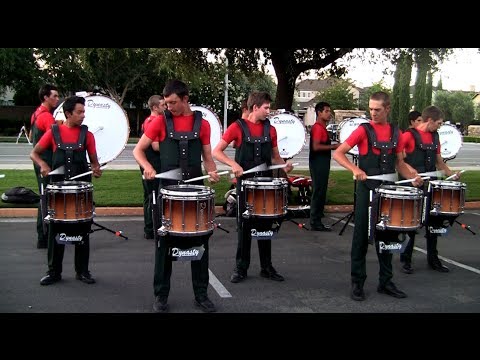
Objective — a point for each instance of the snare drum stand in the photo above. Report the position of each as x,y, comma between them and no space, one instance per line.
350,215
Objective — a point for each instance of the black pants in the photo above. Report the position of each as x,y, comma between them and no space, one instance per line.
40,180
360,242
244,244
163,265
319,172
148,187
431,240
56,252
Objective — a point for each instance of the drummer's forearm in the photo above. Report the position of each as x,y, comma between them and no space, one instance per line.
209,165
441,165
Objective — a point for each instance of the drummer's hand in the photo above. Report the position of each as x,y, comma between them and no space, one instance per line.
214,177
457,175
97,172
418,181
149,173
44,170
289,167
359,175
237,170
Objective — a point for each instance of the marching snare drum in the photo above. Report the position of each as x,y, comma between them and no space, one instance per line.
266,197
291,134
187,210
450,141
346,128
108,122
446,197
70,201
399,208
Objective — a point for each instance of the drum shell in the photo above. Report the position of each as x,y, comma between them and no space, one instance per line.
400,207
187,210
70,201
266,197
446,197
346,128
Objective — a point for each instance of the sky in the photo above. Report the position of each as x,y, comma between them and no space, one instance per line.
460,72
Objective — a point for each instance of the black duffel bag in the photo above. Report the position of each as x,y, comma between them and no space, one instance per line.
20,195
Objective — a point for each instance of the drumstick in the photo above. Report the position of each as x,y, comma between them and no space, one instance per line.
452,176
57,171
86,173
97,129
410,180
280,166
433,173
174,174
206,176
384,177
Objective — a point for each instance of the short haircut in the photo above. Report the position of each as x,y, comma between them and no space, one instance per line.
258,98
70,102
433,113
46,90
321,106
154,100
381,96
175,87
413,115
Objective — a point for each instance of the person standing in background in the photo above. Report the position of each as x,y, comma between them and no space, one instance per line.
156,103
41,121
319,159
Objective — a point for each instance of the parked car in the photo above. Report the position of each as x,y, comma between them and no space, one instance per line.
333,131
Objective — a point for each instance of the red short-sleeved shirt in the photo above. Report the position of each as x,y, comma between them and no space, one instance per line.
147,123
319,133
359,137
408,141
68,135
44,118
234,133
156,130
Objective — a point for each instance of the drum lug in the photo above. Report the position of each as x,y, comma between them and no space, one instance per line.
382,224
247,214
162,231
48,218
435,209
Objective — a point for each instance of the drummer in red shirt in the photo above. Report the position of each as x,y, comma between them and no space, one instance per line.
70,142
422,151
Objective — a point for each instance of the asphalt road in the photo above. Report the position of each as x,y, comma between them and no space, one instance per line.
316,266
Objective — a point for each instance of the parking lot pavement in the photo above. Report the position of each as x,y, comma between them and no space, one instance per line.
316,267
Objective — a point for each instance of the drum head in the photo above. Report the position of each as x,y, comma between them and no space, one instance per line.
450,141
215,124
291,134
107,121
347,127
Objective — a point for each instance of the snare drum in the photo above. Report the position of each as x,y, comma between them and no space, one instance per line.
446,197
70,201
266,197
187,210
399,208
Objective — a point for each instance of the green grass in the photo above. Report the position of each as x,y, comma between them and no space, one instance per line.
124,187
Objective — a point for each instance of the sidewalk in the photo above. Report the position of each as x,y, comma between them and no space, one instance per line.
138,211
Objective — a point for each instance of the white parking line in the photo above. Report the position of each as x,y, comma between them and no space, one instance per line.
466,267
218,286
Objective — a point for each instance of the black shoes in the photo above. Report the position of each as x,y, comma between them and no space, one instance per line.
148,236
238,275
271,273
320,228
205,305
85,277
438,266
390,289
50,279
160,305
42,244
357,292
407,268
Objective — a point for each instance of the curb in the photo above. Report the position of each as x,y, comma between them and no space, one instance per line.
138,211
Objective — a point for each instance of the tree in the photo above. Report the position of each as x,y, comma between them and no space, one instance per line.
401,91
338,95
456,105
429,88
365,95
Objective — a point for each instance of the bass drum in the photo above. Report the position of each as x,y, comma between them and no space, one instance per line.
215,124
346,128
291,134
450,141
108,122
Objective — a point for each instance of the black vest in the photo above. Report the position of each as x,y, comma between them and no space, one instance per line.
70,155
423,158
254,151
36,135
182,149
384,163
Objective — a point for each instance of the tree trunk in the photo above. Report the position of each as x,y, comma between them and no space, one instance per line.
286,76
